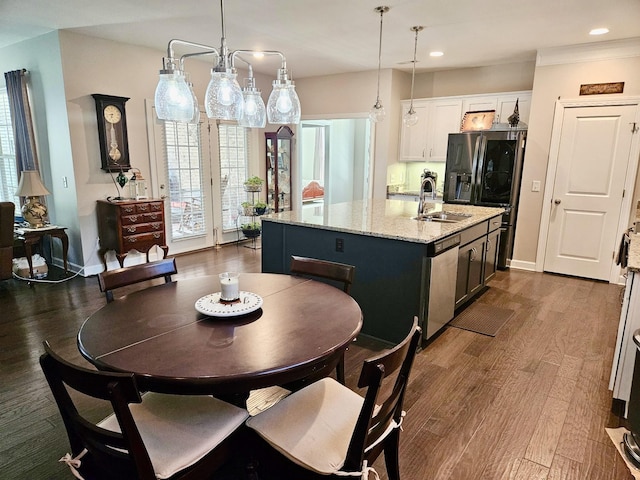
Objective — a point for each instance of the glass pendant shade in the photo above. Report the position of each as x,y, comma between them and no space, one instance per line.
173,99
377,113
410,118
254,114
223,100
283,106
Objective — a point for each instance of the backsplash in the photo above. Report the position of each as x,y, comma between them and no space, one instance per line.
405,177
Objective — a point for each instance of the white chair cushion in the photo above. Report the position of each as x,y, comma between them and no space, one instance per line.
313,426
178,430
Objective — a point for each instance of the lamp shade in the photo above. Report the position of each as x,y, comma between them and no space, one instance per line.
254,113
30,185
173,98
283,106
223,100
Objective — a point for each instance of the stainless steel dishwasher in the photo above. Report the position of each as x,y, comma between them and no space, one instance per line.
440,268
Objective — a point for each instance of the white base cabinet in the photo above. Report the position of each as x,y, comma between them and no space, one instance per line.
625,352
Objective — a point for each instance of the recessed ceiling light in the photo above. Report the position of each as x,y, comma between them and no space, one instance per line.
436,54
599,31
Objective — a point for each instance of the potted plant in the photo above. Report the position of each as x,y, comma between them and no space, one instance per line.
251,230
247,208
253,184
260,207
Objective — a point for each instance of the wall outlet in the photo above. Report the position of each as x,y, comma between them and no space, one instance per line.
535,186
339,245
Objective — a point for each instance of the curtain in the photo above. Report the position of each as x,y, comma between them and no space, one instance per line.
26,156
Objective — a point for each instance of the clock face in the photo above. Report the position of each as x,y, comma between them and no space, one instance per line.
112,114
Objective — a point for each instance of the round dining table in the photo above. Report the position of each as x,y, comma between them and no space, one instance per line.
300,331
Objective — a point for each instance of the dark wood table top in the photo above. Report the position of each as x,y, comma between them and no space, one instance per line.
156,333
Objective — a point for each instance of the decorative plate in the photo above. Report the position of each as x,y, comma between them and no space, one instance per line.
212,306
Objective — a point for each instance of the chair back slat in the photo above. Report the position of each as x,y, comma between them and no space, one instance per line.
338,272
122,277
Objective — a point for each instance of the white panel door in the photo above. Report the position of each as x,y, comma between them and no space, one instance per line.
593,154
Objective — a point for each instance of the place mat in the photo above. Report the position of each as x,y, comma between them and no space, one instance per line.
482,318
616,434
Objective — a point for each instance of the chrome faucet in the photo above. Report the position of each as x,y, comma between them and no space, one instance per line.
422,203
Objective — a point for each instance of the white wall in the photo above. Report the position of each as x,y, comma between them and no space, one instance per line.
552,81
41,56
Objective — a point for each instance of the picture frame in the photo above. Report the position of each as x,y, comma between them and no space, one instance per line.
477,120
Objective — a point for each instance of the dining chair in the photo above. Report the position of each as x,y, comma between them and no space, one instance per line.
341,273
148,436
122,277
328,429
313,267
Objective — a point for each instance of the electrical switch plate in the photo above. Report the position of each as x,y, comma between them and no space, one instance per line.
65,182
535,186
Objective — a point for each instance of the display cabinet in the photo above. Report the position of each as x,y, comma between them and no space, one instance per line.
279,149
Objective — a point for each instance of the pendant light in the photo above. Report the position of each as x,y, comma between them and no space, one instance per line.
224,99
411,117
377,112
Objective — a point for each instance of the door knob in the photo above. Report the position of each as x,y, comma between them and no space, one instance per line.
557,201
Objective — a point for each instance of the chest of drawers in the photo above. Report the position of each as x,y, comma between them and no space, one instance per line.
131,225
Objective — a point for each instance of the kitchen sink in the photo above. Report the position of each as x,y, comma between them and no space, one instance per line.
443,217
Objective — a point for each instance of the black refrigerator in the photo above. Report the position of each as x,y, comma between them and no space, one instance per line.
485,168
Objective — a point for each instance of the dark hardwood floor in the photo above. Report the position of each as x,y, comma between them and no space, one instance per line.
530,403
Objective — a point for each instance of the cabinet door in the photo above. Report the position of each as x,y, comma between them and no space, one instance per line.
479,103
476,266
462,279
506,104
444,119
413,140
491,255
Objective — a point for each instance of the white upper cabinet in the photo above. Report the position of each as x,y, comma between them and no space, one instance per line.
438,117
413,147
426,141
479,103
445,117
506,104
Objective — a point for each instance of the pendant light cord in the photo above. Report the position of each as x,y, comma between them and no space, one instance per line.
413,73
382,10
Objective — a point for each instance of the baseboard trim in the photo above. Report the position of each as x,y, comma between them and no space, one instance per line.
522,265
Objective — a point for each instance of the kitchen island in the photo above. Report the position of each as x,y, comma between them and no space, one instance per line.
393,254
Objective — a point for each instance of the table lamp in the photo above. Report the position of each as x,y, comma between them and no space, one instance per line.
31,186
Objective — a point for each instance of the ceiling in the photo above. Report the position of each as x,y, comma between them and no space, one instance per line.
336,36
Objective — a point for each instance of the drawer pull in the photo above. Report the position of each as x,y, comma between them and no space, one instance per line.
132,239
156,226
156,235
143,208
128,209
153,216
131,229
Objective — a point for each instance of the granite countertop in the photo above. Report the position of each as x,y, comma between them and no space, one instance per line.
384,218
633,263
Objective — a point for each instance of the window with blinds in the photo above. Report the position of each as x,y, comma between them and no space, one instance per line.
234,152
8,169
184,172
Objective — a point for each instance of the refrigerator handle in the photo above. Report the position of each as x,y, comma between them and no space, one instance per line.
478,165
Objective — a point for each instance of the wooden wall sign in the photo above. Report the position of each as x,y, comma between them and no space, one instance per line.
601,88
